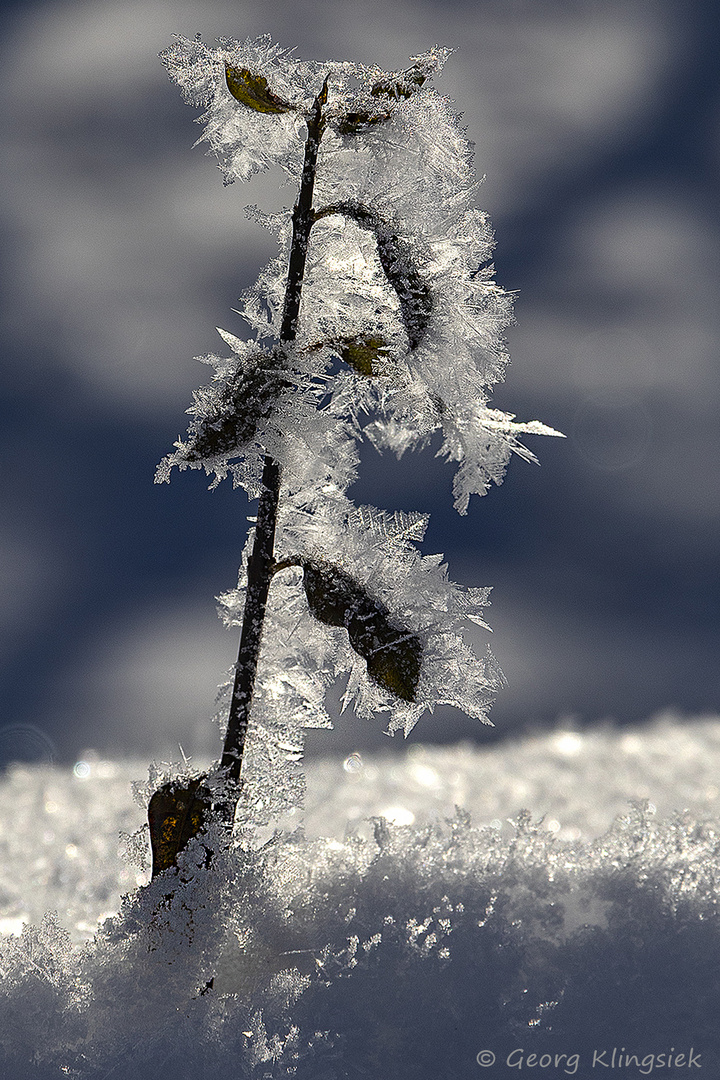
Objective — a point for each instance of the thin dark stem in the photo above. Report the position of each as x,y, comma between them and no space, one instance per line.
303,220
258,584
261,561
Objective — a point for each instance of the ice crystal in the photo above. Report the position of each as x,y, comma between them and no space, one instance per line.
406,952
399,335
399,245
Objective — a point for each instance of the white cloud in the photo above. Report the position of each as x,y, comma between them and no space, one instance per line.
552,87
583,660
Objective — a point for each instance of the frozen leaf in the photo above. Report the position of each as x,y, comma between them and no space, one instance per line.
363,353
393,655
229,419
177,812
396,86
253,91
366,354
264,132
401,85
398,264
355,122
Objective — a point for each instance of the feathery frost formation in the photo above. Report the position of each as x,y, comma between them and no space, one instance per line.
399,336
404,954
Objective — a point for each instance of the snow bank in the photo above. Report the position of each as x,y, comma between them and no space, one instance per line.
372,949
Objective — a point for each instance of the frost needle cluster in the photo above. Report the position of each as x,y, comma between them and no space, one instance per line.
380,320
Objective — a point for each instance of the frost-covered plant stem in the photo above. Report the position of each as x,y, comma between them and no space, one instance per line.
400,321
261,562
259,575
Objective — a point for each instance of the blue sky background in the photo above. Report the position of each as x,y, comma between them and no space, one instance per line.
598,129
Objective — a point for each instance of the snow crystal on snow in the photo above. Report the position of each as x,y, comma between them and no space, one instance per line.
381,949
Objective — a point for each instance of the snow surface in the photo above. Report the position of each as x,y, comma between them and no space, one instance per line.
396,936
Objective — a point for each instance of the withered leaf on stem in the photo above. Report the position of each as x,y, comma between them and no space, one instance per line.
363,353
176,813
249,396
401,85
355,122
399,266
392,653
397,87
253,91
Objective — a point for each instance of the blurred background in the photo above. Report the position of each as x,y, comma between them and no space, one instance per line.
598,129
